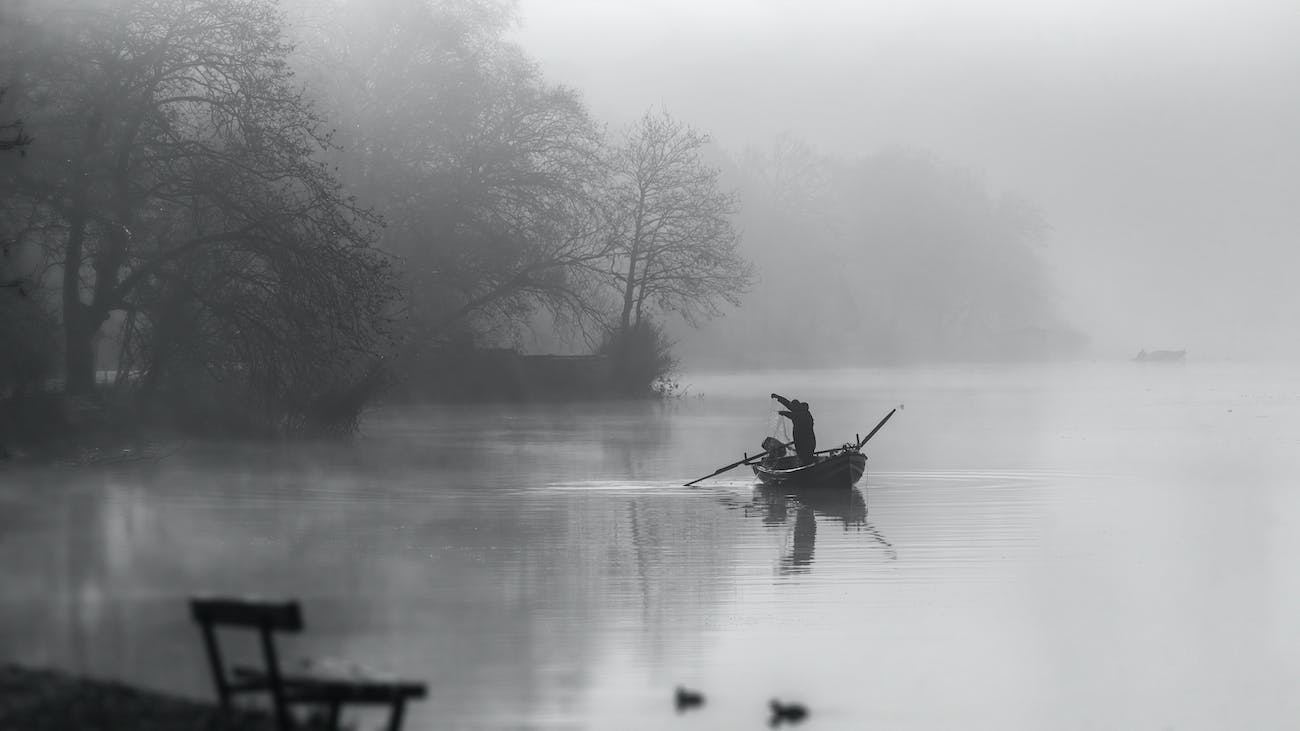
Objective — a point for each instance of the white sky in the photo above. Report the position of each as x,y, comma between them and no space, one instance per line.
1161,138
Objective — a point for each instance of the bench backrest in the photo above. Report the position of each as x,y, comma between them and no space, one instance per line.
263,616
282,616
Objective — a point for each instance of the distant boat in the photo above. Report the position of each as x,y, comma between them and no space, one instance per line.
1160,356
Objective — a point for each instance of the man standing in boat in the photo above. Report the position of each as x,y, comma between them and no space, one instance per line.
805,441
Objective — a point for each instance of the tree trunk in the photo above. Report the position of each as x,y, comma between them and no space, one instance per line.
640,301
78,330
629,299
79,350
629,290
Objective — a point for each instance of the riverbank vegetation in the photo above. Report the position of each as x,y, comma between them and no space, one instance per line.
257,217
43,700
251,217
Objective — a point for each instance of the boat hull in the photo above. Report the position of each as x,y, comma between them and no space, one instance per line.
839,470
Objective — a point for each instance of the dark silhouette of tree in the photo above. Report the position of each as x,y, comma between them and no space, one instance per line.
12,136
25,348
18,140
187,178
486,175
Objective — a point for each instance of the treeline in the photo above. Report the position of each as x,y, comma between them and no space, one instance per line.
896,257
254,217
258,216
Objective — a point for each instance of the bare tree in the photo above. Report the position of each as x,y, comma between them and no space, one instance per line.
676,247
191,166
487,176
12,136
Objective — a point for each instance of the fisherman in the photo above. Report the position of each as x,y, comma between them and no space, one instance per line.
805,441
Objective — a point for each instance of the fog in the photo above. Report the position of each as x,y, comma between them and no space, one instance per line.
392,307
1157,138
739,184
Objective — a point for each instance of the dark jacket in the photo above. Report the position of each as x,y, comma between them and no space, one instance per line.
801,419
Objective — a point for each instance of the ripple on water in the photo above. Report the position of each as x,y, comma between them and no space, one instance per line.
913,527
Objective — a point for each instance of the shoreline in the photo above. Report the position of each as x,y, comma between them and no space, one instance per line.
34,699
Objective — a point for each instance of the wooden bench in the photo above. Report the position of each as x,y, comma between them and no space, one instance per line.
327,686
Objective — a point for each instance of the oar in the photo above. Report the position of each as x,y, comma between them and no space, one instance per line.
873,431
732,466
720,470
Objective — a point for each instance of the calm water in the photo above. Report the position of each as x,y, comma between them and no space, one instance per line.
1083,547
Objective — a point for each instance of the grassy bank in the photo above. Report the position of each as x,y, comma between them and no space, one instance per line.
42,700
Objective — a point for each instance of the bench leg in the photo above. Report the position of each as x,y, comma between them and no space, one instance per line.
395,716
332,717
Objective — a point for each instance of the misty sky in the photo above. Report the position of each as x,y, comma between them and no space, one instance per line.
1161,138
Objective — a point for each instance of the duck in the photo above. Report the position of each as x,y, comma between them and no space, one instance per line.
787,712
686,699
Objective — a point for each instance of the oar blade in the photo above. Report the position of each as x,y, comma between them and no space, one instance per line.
720,470
872,433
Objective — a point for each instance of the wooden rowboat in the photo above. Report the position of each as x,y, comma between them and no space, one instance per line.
838,469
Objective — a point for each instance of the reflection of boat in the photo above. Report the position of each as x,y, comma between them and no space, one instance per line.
1160,356
840,468
849,506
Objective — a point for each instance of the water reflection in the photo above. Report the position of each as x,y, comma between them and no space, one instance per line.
774,504
543,567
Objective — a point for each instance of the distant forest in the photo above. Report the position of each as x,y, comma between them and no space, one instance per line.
893,258
251,216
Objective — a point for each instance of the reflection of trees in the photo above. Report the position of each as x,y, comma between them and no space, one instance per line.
636,448
678,552
556,442
774,504
408,552
65,561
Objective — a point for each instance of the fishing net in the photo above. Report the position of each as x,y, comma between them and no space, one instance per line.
778,436
779,426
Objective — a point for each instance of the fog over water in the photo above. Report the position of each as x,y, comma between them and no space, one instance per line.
287,310
1075,547
1157,137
